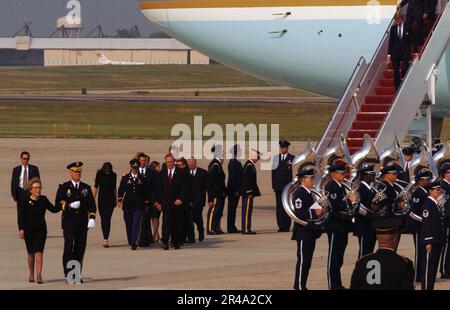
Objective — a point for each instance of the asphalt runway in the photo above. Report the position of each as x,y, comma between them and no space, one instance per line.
263,261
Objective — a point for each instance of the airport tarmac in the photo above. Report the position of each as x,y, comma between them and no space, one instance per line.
263,261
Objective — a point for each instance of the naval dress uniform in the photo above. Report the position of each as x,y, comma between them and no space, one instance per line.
281,176
337,228
432,232
78,205
250,190
445,259
134,195
216,195
363,222
305,236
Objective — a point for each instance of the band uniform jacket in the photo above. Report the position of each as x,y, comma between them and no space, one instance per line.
363,222
282,173
249,180
133,191
338,221
396,272
216,181
303,200
418,198
433,223
75,218
33,172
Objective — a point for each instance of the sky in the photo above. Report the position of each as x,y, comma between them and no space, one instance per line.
111,14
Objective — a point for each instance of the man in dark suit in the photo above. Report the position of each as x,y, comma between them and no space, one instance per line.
399,50
250,190
200,183
233,188
217,191
281,176
445,257
384,269
174,196
78,204
21,174
414,15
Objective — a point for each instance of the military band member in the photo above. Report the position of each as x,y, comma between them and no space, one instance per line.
418,198
79,210
389,175
432,235
281,176
216,191
133,196
305,209
250,190
445,258
384,269
234,184
363,221
338,226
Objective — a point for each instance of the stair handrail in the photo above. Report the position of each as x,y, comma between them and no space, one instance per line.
359,90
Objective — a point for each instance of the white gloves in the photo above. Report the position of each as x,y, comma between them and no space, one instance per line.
75,205
91,223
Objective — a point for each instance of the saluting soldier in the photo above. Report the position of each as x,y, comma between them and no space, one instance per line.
384,269
216,191
363,220
339,224
234,184
133,196
281,176
419,196
250,190
432,234
306,209
79,210
445,257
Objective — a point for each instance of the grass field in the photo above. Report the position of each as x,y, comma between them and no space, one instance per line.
153,120
122,77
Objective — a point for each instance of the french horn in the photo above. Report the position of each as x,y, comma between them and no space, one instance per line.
304,160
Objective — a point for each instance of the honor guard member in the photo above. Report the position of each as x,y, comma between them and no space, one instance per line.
389,174
384,269
78,205
216,191
363,222
445,257
305,209
432,234
234,185
281,176
132,198
250,190
419,196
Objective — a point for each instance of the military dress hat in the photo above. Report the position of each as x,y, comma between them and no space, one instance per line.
134,163
284,143
444,168
75,167
340,167
389,169
387,225
367,169
308,172
433,185
424,174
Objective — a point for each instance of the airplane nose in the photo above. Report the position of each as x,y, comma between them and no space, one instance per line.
156,11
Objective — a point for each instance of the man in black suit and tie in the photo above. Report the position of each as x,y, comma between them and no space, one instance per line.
281,176
399,50
415,15
174,197
21,174
234,188
200,183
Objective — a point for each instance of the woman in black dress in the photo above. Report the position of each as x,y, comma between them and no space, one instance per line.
32,225
106,187
156,212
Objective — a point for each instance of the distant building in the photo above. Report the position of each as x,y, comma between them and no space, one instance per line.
29,51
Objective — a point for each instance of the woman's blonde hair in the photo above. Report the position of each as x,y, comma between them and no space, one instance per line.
32,182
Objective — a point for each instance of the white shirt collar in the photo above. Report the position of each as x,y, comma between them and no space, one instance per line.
423,189
365,183
446,181
308,190
390,249
340,185
134,175
173,170
74,183
23,167
194,171
434,200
